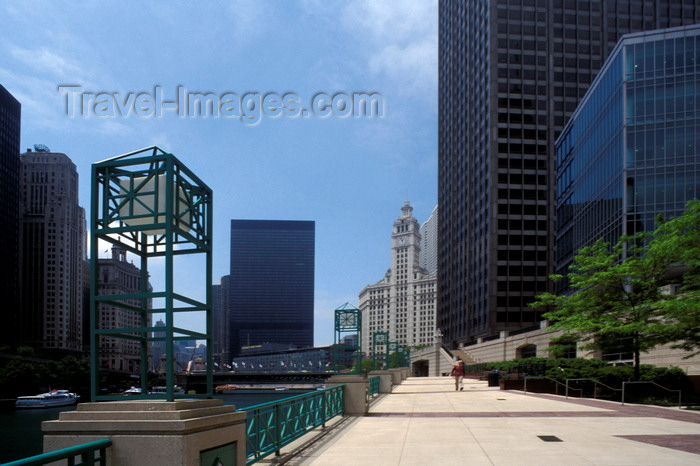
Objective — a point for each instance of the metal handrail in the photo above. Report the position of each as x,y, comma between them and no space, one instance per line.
270,426
654,383
543,377
372,387
86,451
595,387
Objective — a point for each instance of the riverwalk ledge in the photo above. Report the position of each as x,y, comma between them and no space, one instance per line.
154,433
425,421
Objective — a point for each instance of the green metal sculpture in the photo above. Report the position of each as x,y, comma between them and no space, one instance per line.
151,205
348,322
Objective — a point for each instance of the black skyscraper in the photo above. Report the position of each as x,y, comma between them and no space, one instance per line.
272,283
10,112
510,74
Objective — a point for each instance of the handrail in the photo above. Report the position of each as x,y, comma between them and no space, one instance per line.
544,377
654,383
86,451
595,387
372,387
270,426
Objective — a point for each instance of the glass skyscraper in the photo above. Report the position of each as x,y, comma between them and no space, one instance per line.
10,112
511,72
271,287
632,148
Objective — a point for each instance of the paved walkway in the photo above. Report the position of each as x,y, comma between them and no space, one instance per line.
424,421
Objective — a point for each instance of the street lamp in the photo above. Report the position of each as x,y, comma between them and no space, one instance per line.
438,344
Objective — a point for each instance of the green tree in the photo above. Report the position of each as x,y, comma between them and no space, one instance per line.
619,292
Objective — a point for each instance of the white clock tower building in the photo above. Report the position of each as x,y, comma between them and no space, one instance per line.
403,302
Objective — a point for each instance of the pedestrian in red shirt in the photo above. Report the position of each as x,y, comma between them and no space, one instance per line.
458,373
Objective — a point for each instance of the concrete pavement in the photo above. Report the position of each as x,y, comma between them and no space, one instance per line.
424,421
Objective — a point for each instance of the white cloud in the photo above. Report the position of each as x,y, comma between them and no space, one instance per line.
400,40
47,62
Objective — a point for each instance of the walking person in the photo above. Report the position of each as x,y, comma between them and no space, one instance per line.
458,372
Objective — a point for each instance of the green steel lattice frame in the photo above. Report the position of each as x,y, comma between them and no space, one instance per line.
150,204
381,339
348,320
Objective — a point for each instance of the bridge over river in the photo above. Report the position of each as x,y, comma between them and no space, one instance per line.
309,380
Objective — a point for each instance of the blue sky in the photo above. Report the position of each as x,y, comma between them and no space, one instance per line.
349,174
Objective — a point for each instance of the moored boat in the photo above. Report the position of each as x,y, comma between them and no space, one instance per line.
132,391
162,389
225,388
49,399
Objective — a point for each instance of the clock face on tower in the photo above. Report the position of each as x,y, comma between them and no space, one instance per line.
402,241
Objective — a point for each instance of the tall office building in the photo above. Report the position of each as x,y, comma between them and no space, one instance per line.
53,252
116,275
272,283
10,113
220,317
511,72
632,148
403,302
428,243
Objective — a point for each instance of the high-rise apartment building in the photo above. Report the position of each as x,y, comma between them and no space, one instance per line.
116,275
10,113
403,302
53,252
272,283
511,72
632,148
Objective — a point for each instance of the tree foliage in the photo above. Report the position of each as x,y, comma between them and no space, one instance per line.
622,291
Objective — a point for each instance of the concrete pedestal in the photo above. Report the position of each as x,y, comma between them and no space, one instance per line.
396,376
385,382
354,393
154,432
405,372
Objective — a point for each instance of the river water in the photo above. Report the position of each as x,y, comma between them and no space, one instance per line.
21,433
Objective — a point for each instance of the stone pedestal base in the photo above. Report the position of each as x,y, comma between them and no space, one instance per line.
396,376
154,432
385,380
354,392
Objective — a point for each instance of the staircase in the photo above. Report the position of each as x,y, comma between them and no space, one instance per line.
464,356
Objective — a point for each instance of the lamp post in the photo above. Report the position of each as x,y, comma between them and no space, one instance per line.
438,343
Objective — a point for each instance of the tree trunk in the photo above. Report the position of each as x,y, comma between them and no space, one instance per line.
637,355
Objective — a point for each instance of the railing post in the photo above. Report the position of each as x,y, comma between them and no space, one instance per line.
324,410
278,428
623,393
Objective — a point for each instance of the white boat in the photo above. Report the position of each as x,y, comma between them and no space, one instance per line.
47,400
162,389
132,391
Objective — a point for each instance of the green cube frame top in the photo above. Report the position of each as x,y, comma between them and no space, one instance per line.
348,320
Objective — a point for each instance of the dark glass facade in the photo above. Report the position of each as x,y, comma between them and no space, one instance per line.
10,113
511,72
632,149
220,321
271,283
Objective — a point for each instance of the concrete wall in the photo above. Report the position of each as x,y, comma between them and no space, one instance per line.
509,347
427,356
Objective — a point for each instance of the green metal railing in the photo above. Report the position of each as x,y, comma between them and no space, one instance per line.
270,426
92,453
372,387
